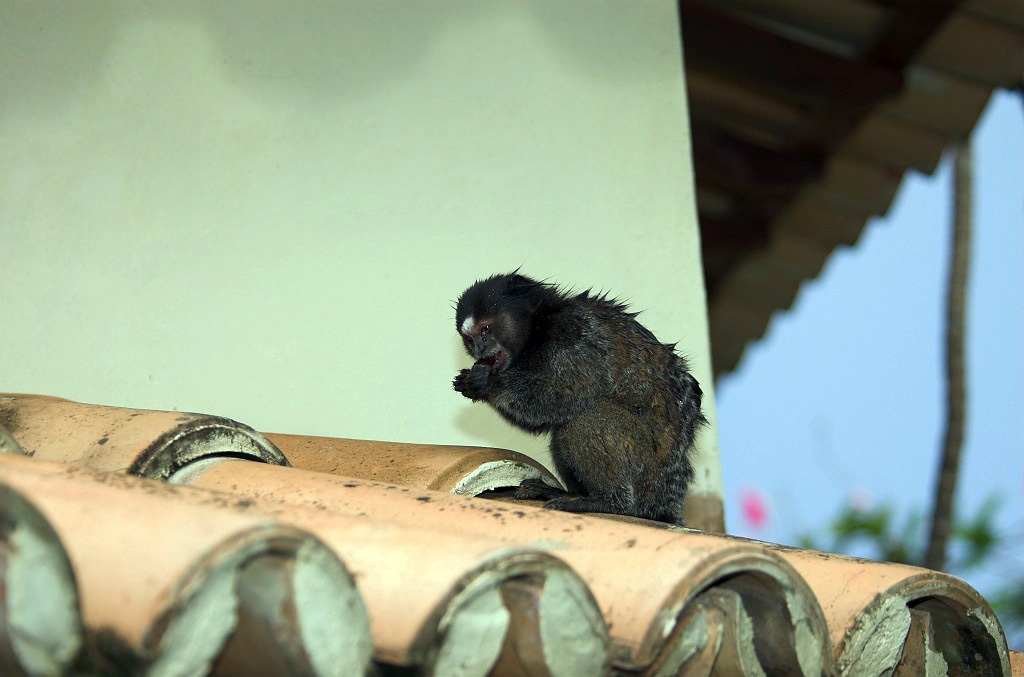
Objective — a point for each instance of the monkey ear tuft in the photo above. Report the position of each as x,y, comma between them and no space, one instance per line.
520,285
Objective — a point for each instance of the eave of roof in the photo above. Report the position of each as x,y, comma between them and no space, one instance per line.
805,118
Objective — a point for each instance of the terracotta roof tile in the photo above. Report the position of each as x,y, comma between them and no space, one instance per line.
42,626
458,470
168,585
451,584
860,620
641,611
867,603
142,442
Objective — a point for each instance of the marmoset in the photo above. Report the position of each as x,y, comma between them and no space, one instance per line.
622,408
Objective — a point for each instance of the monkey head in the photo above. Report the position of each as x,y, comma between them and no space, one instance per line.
494,317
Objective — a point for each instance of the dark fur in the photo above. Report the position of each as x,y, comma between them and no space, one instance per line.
621,407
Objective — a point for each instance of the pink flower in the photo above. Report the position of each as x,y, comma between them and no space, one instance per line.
755,509
860,499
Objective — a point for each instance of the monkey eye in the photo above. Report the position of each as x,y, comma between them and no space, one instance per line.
486,329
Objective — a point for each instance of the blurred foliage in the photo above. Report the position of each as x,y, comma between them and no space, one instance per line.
879,533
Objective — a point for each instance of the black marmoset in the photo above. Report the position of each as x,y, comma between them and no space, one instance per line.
621,407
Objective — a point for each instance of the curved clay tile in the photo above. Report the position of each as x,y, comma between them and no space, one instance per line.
887,617
9,445
444,603
148,443
671,598
40,622
447,605
467,471
170,586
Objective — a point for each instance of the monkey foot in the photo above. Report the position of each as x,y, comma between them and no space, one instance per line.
536,488
604,504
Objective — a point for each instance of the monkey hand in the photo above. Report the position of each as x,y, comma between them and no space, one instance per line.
474,383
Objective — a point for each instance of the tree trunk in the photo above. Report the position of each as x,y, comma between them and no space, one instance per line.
942,513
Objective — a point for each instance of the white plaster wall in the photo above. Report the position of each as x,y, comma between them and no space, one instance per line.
264,210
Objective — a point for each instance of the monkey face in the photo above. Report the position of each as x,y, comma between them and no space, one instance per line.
482,341
495,317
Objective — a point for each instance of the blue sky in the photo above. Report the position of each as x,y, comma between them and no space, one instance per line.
843,398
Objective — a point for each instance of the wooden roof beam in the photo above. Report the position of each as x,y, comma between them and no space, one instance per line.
721,44
913,23
749,168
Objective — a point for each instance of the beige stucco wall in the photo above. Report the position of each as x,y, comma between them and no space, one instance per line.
264,210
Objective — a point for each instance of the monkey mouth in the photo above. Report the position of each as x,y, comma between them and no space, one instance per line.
495,361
